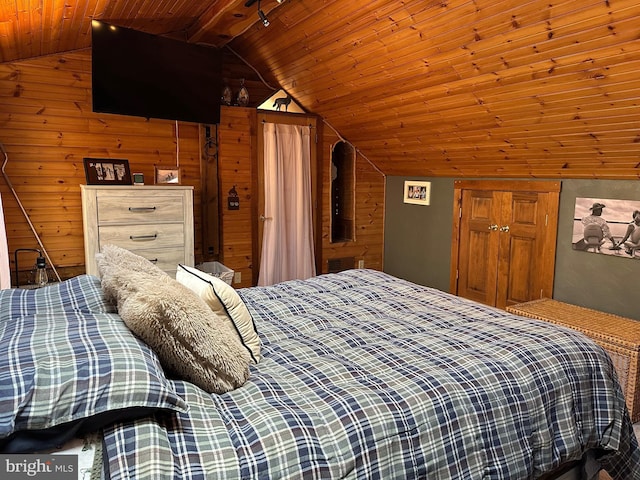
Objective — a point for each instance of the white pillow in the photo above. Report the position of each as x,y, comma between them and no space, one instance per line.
225,302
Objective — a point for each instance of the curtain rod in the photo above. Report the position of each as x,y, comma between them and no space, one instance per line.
310,125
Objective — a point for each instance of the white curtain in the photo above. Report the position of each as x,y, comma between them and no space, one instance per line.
5,276
287,242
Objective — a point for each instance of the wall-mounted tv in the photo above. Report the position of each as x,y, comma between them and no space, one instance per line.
135,73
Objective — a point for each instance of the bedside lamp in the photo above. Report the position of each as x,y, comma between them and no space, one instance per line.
39,277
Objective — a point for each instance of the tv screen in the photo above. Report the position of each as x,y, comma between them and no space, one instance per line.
135,73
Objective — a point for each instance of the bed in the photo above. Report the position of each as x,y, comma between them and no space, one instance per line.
361,375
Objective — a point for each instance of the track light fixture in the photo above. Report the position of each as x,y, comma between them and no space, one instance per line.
261,14
263,17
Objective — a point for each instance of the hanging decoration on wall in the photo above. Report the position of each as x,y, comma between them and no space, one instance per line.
233,200
607,226
280,102
243,95
227,94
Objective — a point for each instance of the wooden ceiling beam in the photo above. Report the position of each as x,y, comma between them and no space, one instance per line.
226,19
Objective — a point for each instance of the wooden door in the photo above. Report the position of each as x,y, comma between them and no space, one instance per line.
504,241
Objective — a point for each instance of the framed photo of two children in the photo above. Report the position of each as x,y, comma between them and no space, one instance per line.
416,192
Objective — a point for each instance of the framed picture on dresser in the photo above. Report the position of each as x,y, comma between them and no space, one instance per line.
167,175
107,171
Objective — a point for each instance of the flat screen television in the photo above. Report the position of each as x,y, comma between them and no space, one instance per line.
136,73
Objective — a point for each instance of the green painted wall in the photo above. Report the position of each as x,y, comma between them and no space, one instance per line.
418,239
417,243
606,283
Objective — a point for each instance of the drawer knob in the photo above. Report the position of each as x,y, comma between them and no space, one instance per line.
143,237
142,209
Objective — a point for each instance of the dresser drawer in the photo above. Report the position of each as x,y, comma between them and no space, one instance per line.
166,259
139,209
135,237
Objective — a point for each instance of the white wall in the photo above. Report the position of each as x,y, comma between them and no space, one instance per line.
5,276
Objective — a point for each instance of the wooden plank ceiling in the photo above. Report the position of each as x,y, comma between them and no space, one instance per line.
458,88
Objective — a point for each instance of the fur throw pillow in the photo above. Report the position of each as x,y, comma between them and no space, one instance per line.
187,336
112,256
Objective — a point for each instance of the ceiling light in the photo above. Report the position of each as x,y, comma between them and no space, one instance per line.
263,17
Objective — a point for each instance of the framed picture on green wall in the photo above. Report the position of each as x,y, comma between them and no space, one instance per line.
607,226
417,192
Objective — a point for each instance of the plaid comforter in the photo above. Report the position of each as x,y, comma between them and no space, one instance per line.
367,376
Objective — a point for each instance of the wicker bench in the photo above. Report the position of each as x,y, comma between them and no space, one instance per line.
619,336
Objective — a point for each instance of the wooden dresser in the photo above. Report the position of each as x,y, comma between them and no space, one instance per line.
155,222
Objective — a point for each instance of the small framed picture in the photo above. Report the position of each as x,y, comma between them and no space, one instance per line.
167,175
416,192
107,171
138,178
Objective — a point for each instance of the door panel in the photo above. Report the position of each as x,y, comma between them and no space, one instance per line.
479,246
519,271
524,215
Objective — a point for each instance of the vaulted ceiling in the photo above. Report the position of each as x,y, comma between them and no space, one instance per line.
445,88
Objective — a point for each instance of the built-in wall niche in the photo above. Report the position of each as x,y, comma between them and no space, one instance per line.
343,159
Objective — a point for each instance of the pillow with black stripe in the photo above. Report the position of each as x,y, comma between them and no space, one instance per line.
225,302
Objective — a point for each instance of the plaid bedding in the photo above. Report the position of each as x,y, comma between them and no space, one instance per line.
368,376
68,364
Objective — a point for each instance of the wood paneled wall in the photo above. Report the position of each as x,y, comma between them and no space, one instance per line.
236,151
47,128
368,244
455,88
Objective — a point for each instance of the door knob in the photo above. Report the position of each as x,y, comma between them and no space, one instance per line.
493,227
504,228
